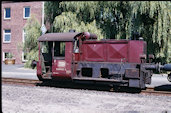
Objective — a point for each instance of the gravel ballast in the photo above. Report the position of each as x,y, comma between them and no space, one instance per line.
27,99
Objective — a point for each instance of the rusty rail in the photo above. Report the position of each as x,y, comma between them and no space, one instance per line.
152,91
20,81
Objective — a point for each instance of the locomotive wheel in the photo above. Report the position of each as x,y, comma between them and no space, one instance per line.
169,77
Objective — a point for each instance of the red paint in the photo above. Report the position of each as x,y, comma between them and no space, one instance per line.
117,52
136,48
112,51
39,70
93,52
62,67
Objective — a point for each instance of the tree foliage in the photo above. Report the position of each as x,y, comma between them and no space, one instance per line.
68,20
119,20
33,31
154,24
51,11
110,16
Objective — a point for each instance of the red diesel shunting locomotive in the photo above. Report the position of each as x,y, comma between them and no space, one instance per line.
81,57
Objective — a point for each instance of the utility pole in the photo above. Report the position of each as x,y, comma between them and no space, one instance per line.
43,13
43,28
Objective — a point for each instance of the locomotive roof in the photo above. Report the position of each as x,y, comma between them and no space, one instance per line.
68,36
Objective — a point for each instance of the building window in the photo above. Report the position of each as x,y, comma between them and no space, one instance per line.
24,36
7,13
24,58
7,36
6,55
26,12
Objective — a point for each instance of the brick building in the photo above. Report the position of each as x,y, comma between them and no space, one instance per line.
14,16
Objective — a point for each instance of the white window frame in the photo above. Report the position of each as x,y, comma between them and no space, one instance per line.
5,13
24,33
3,57
24,12
4,36
23,60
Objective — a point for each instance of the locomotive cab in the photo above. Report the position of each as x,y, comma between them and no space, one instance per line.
52,54
57,52
55,55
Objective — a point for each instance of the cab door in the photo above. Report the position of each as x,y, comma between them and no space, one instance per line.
62,57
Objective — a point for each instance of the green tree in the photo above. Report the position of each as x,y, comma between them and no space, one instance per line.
111,16
153,21
33,31
68,20
51,11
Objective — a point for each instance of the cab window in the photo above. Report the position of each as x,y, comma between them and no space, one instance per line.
44,47
59,49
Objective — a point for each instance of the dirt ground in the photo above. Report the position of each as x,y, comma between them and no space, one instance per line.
25,99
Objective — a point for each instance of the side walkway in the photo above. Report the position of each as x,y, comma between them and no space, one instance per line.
18,71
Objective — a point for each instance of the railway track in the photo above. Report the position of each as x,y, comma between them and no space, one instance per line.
147,91
20,81
152,91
